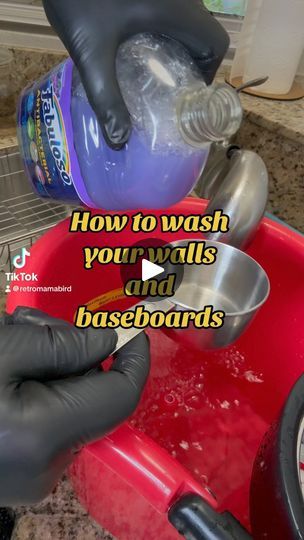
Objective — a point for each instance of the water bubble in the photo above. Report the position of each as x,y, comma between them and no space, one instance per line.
250,376
170,399
197,446
154,408
225,405
184,445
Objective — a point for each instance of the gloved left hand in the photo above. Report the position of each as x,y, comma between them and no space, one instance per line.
54,399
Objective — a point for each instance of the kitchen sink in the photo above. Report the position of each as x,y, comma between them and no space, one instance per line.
23,215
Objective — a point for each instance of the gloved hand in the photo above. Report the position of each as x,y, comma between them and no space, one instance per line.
92,31
54,399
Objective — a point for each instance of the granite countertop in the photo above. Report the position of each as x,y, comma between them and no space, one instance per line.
26,67
8,135
285,118
280,117
59,517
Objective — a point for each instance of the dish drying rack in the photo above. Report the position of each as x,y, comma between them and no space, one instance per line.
24,217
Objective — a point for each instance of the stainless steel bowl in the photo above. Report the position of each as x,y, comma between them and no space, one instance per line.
235,284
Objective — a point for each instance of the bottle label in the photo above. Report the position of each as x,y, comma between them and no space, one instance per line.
46,137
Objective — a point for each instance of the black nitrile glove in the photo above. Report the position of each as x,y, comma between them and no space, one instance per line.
54,400
92,31
7,523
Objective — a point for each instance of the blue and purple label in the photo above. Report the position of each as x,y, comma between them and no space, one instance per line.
46,137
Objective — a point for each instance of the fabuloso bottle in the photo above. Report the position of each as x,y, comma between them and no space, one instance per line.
175,118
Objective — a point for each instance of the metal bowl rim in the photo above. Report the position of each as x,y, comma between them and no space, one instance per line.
232,248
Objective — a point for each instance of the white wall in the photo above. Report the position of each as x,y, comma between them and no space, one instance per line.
301,66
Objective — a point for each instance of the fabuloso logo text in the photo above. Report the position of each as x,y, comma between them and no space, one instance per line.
56,133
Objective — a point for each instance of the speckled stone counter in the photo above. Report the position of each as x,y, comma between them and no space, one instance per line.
275,130
26,67
282,118
8,137
285,162
60,517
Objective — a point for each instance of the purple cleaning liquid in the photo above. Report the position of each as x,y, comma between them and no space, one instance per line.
157,168
134,177
67,158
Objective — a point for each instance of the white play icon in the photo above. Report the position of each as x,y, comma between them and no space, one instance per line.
150,270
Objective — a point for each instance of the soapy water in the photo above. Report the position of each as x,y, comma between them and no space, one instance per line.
197,406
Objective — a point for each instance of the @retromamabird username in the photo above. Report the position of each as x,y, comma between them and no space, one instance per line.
32,288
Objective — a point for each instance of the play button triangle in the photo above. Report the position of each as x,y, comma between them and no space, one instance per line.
150,270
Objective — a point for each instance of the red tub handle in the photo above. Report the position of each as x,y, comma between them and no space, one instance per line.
166,485
147,468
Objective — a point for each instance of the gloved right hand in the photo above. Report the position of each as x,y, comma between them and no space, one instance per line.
54,399
92,31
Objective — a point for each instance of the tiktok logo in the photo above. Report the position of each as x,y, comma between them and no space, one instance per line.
20,260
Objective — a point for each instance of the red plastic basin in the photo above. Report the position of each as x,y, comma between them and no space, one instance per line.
203,415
